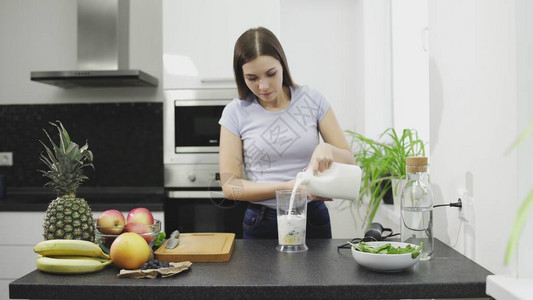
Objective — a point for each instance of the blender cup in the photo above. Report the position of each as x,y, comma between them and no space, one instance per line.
291,220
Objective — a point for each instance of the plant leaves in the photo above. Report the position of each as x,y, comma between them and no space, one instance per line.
525,208
521,138
383,159
518,226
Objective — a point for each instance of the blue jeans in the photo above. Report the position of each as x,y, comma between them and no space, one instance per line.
260,222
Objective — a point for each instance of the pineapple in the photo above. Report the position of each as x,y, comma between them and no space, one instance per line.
67,217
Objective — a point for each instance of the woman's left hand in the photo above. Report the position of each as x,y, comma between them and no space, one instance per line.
322,158
317,198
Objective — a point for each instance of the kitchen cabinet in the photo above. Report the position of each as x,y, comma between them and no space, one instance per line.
19,232
199,36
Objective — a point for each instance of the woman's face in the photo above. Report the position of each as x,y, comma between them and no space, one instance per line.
264,77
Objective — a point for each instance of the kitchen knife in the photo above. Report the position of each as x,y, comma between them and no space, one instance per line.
173,240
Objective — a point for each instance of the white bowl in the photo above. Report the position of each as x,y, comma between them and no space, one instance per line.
385,262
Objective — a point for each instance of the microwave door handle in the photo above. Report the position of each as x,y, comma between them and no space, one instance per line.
221,80
196,194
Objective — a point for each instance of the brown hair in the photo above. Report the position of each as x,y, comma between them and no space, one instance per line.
251,44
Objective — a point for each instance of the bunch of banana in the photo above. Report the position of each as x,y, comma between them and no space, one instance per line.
70,257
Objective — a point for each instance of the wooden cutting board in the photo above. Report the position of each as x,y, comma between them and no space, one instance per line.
199,247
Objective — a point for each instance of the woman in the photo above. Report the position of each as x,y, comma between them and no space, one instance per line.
271,132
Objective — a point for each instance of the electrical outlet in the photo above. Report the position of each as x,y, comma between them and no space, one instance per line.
466,212
6,159
461,209
467,218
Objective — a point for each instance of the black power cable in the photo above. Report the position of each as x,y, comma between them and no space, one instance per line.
373,234
459,204
375,231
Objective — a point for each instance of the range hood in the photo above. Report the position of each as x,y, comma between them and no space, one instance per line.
103,50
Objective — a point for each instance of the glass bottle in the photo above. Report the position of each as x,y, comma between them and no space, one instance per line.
417,206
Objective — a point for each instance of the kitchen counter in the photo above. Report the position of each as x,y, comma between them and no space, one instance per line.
99,199
257,270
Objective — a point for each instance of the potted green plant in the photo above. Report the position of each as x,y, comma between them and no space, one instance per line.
523,211
515,284
383,162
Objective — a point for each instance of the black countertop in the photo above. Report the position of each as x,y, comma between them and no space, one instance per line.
99,198
256,270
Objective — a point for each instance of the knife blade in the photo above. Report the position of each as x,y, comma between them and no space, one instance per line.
173,240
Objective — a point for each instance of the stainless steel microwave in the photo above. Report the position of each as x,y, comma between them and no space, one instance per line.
191,130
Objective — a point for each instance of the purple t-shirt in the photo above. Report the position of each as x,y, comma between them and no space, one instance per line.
276,144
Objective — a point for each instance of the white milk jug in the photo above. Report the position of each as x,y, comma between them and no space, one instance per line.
341,181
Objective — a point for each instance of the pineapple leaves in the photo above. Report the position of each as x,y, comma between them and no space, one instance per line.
63,135
65,162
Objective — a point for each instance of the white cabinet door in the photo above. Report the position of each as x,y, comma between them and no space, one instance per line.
21,228
20,231
199,36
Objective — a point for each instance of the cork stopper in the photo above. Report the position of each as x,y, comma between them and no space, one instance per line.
416,164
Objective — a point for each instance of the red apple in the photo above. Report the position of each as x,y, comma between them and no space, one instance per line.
111,222
144,230
140,215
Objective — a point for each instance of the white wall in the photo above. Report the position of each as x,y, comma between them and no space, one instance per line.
374,65
524,36
410,66
41,36
319,40
473,119
342,48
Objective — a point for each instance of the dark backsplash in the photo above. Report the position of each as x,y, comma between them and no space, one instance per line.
125,138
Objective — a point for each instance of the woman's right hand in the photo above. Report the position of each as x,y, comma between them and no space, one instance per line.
322,158
289,185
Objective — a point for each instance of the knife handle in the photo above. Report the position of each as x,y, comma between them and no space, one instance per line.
174,240
175,234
